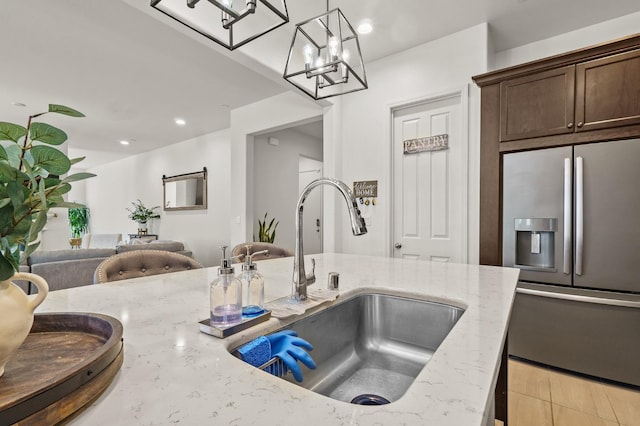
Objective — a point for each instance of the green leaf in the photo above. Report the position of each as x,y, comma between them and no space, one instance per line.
55,201
50,159
77,160
50,182
3,154
61,109
30,248
41,192
63,188
4,202
14,189
22,228
11,132
6,220
37,226
78,176
6,268
47,134
14,154
8,173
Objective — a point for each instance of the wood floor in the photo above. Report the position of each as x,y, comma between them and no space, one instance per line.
544,397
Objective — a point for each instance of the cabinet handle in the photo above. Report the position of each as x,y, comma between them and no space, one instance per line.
570,125
580,124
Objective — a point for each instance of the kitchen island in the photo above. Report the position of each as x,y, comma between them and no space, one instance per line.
173,373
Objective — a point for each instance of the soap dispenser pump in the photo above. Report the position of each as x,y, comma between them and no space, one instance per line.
226,295
254,283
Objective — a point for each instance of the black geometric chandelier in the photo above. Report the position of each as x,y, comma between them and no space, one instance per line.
325,58
230,23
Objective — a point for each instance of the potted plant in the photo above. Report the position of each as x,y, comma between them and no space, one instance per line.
79,223
265,233
141,215
30,184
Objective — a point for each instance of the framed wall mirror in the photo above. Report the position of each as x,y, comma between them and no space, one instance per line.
185,192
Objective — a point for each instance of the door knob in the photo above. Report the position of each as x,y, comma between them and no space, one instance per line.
398,245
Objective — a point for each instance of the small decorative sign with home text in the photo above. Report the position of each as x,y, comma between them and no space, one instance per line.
430,143
365,188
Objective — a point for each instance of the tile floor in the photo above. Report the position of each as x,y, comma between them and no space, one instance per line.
543,397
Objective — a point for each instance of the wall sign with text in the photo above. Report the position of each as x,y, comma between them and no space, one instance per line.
430,143
366,191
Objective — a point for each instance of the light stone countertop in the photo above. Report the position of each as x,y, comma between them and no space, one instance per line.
173,373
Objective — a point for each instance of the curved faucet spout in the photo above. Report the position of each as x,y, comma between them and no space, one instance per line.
300,279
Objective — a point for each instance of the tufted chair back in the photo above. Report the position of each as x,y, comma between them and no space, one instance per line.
275,252
142,263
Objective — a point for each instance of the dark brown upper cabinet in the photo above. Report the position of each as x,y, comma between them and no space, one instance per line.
598,94
540,104
608,92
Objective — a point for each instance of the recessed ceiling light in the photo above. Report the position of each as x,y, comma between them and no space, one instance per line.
124,142
365,27
180,121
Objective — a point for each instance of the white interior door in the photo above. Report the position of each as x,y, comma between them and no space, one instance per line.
430,188
308,171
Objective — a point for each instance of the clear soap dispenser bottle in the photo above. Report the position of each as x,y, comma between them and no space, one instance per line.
226,295
254,283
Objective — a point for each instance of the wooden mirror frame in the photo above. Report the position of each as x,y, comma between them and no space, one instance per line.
186,176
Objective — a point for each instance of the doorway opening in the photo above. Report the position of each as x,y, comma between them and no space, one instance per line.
279,157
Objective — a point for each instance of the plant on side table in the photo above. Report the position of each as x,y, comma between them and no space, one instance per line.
265,233
79,223
141,215
30,184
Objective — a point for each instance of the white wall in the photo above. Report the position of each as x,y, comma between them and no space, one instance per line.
365,146
578,39
275,180
121,182
271,114
357,135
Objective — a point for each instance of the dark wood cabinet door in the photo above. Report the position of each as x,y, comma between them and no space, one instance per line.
608,92
540,104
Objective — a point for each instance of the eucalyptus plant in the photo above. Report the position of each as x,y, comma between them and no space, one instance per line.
265,232
31,184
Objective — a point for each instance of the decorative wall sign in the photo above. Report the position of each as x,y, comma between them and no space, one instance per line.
365,188
430,143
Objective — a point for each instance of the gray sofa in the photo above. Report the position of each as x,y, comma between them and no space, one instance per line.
73,268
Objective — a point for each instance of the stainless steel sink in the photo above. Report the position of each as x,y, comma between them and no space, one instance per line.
371,347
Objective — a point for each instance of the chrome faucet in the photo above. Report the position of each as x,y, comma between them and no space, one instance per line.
300,279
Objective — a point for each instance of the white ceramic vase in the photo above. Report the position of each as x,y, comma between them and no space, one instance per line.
142,227
16,313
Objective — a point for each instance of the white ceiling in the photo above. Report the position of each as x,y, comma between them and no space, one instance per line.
132,71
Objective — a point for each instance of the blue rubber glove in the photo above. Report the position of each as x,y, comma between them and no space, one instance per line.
287,346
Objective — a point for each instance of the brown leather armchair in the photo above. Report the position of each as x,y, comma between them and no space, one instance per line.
142,263
274,251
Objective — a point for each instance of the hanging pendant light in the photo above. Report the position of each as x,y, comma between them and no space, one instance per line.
325,58
230,23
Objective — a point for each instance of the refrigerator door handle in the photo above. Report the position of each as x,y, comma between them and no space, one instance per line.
580,298
567,216
579,214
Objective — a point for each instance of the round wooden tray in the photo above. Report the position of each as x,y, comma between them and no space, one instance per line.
67,360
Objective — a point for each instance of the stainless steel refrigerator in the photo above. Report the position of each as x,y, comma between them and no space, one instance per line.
571,223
